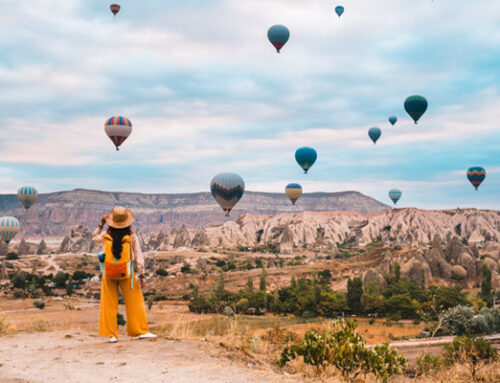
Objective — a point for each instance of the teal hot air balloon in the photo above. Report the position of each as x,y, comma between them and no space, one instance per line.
395,195
476,175
393,120
293,192
416,106
27,195
306,157
339,10
227,189
374,133
278,35
9,227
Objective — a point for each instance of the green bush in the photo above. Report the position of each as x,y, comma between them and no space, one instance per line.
344,348
161,272
120,319
18,281
39,304
12,256
428,363
403,306
470,351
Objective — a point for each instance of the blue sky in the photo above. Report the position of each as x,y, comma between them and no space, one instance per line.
207,93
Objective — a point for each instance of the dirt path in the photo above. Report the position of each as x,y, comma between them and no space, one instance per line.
66,356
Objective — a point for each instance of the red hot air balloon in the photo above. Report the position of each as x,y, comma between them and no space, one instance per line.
115,8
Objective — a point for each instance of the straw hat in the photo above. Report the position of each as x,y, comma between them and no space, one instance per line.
120,218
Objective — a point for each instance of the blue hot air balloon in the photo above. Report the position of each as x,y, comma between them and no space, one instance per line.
9,226
339,10
293,192
395,195
374,134
227,189
306,157
278,35
27,195
476,175
393,120
416,106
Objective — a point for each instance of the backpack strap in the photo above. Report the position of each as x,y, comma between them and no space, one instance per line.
131,274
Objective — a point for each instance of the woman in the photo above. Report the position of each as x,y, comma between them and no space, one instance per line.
121,252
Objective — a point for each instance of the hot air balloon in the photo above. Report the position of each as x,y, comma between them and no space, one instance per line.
293,192
27,195
115,8
9,226
395,195
118,129
476,175
227,189
339,10
374,134
393,120
416,106
306,157
278,35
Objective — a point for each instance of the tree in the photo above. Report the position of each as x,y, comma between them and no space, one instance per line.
250,284
69,287
402,306
263,280
397,272
354,294
293,283
220,285
42,248
60,280
486,292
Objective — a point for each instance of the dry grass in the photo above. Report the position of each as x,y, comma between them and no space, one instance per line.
39,325
4,325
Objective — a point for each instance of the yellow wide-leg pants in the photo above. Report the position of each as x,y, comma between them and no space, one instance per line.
137,323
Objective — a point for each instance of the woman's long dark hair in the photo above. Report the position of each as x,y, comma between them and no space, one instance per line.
117,236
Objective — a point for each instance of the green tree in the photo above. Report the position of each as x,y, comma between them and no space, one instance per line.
250,284
60,279
69,287
293,283
402,306
263,280
221,285
486,292
354,294
397,272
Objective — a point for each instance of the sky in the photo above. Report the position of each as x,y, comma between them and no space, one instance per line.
207,93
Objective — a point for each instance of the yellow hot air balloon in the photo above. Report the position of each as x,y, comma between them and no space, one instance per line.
293,192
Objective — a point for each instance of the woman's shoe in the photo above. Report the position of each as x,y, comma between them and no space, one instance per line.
148,336
112,339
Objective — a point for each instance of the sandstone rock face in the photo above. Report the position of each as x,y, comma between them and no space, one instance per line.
459,272
78,241
56,214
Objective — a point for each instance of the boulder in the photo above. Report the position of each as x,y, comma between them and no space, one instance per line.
458,272
417,271
438,265
492,264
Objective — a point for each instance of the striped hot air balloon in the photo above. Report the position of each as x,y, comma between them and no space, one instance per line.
293,192
27,195
395,195
115,8
9,226
278,35
476,175
227,189
118,129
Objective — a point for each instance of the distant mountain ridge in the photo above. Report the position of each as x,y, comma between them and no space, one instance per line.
55,214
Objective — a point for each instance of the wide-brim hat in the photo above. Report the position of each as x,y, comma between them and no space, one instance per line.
120,218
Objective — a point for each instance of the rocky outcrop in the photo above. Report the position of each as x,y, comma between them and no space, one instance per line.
78,241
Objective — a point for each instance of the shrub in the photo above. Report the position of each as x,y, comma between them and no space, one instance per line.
39,325
471,351
39,304
455,321
228,311
12,256
120,319
4,325
428,363
151,301
386,362
403,306
161,272
19,281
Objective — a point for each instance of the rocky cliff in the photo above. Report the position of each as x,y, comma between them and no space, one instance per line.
56,214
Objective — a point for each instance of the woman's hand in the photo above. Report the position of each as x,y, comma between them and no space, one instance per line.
103,219
142,281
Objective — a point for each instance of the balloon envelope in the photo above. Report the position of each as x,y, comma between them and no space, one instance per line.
476,175
278,35
115,8
306,157
227,189
374,134
416,106
9,226
393,120
27,195
395,195
118,129
339,10
293,192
